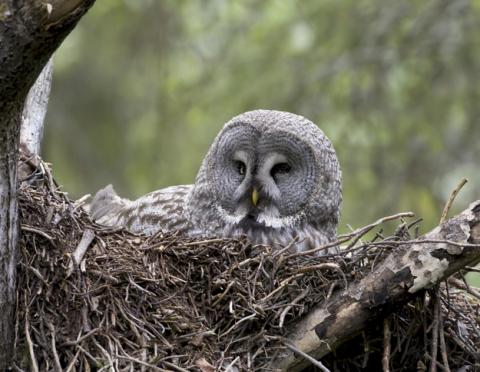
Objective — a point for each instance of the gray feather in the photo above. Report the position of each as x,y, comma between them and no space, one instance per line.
106,204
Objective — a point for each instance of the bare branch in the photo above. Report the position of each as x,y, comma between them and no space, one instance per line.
34,111
408,270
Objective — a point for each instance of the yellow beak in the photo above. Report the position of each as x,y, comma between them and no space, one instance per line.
254,197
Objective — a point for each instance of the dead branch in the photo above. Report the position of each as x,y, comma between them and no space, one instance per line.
34,111
409,269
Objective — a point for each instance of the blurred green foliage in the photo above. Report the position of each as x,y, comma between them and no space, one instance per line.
141,87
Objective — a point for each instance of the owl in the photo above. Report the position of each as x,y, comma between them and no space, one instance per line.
271,176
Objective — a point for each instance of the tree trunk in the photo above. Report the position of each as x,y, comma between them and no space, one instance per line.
410,268
30,31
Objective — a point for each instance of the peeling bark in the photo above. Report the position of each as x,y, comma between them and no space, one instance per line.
408,270
34,111
30,31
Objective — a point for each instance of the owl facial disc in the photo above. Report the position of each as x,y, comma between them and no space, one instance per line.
264,172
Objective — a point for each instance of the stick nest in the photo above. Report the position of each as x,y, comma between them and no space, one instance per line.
91,298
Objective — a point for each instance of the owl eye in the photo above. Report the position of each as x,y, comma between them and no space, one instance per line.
241,167
280,168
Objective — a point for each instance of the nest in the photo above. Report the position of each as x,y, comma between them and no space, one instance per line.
91,298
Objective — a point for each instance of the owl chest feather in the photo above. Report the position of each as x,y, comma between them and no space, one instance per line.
208,219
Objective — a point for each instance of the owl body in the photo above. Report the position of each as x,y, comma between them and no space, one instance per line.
269,175
162,210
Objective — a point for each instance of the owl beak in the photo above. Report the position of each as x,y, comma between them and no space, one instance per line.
254,197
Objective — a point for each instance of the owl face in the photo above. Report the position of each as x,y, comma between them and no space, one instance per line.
269,175
262,179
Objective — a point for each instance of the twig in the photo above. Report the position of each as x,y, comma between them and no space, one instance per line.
330,290
90,356
77,255
286,248
229,367
326,265
366,350
140,288
87,238
387,334
459,284
224,293
282,285
79,202
189,244
312,360
472,269
73,361
36,231
103,351
463,345
237,323
293,303
434,345
379,222
56,359
257,273
451,198
36,273
80,339
437,363
174,366
443,346
321,248
359,232
33,359
142,363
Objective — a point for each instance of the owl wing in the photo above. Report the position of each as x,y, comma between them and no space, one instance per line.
163,210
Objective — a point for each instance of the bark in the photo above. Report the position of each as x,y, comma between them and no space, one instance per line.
34,111
408,270
30,31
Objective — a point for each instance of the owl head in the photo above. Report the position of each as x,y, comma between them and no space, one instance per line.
268,173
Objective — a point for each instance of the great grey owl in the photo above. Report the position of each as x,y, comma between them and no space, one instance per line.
269,175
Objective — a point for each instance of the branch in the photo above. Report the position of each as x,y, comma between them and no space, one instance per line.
408,270
30,31
34,111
